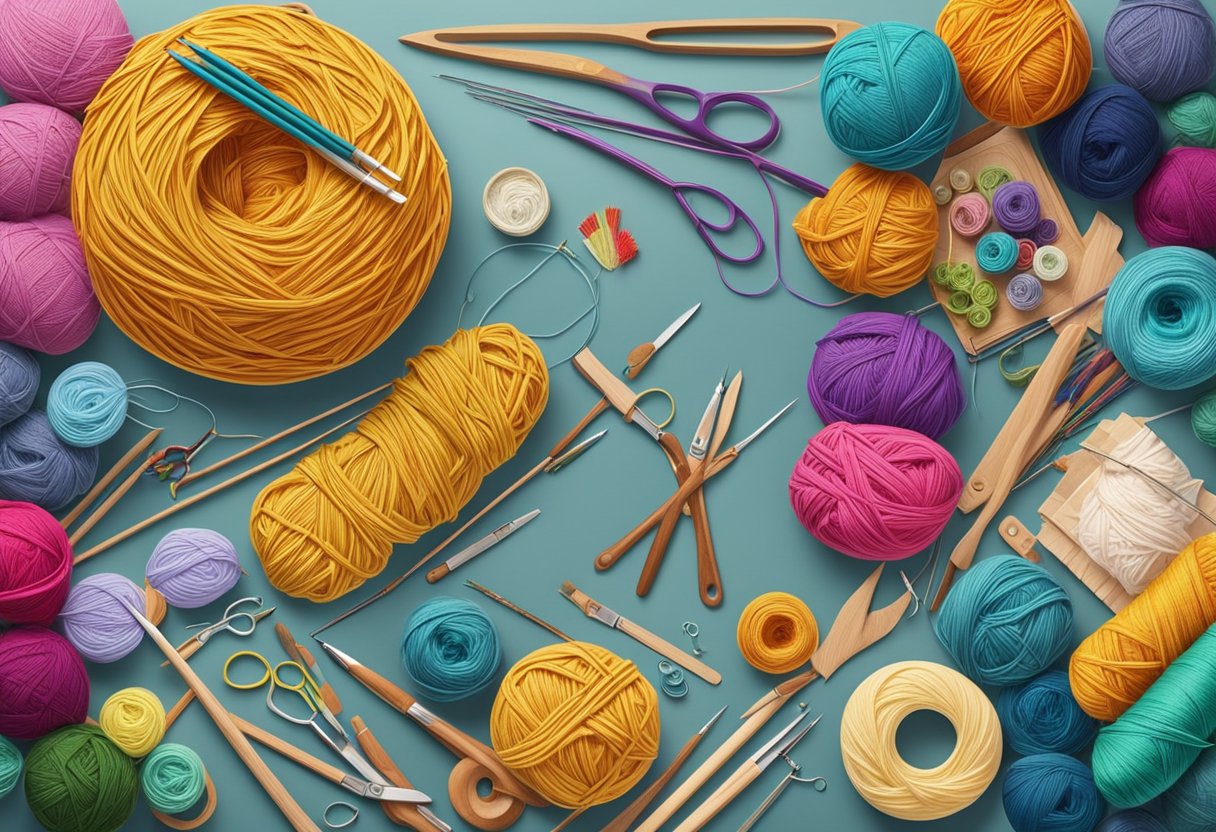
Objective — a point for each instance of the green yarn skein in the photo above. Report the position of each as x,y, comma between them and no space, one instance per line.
77,780
173,778
10,766
1203,419
1194,116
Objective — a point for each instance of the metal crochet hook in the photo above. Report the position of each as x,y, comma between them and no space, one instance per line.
817,783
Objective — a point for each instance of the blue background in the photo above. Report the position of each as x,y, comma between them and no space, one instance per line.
760,544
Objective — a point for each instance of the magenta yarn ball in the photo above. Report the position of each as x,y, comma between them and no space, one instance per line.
37,148
35,564
1176,206
874,492
60,52
46,298
43,683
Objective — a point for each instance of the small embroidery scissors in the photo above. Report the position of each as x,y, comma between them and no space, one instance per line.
239,622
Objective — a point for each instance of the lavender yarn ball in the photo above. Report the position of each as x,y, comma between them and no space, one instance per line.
19,377
1132,820
1016,207
37,149
60,52
96,621
193,567
886,369
37,467
1163,48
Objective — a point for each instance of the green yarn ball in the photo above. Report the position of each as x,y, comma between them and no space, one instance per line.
77,780
10,766
1203,419
173,778
1194,117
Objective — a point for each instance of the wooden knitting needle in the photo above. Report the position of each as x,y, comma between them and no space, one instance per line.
406,814
282,798
215,489
137,450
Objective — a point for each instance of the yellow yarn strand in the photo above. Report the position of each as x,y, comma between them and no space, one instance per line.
230,249
134,719
463,409
871,759
777,633
577,723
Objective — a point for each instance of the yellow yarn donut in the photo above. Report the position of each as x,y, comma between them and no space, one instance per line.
225,246
462,410
134,719
871,759
577,723
777,633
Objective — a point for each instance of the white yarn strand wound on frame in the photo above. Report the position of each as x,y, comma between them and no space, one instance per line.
1131,527
516,201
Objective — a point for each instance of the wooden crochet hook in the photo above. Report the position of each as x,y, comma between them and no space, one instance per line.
137,450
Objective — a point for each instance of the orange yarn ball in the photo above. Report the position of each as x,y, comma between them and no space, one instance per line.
1021,61
873,233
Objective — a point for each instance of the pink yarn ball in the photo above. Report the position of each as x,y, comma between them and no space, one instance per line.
35,564
1177,205
43,683
874,492
37,149
60,52
46,298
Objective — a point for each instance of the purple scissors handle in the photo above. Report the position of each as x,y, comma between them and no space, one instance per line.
705,228
648,94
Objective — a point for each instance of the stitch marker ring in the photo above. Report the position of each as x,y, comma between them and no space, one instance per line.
340,804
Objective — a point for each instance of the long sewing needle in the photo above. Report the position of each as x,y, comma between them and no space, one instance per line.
1135,469
518,610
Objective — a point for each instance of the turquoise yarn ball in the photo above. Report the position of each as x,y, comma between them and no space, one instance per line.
1006,621
10,766
891,95
1051,793
996,252
1041,716
87,404
450,648
1190,804
1203,419
173,778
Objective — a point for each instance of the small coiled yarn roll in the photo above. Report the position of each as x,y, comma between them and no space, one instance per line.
1041,717
777,632
1015,205
462,410
996,252
450,648
871,720
1024,292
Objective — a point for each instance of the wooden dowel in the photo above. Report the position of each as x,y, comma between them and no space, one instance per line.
137,450
102,510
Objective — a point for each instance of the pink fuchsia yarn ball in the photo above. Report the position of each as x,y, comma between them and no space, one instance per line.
37,148
43,683
95,618
874,492
1176,206
35,564
60,52
46,298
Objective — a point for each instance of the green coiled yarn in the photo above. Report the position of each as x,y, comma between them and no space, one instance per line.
1194,117
77,780
10,766
173,778
1203,419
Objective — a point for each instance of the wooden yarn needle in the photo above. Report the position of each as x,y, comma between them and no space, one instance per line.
137,451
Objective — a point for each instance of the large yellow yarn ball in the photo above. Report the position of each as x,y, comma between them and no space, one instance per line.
873,233
577,723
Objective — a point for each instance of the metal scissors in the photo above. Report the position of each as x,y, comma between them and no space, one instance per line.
236,621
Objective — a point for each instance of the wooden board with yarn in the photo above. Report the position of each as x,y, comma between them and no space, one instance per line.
1010,148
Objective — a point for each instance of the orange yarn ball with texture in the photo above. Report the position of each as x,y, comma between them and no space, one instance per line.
577,723
1118,662
1021,61
874,232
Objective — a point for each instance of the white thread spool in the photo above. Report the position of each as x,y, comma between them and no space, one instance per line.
516,201
1050,263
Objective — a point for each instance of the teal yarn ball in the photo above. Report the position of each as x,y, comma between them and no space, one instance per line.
1194,117
173,778
450,648
1041,717
1160,317
1203,419
996,252
1006,621
10,766
891,95
1051,793
1190,804
87,404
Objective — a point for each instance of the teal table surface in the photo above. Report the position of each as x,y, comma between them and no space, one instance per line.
761,546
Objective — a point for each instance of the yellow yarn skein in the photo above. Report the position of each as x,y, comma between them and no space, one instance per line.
231,249
463,409
777,633
577,723
134,719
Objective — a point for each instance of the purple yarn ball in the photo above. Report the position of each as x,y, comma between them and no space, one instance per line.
1016,207
38,467
19,377
95,618
886,369
1162,48
193,567
37,149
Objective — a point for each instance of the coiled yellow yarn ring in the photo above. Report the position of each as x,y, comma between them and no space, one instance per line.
231,249
871,759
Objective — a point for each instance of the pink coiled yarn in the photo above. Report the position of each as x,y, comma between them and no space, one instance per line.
1176,206
874,492
37,149
35,564
43,683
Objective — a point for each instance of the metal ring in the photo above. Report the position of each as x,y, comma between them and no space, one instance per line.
340,804
666,667
675,677
691,629
676,691
816,783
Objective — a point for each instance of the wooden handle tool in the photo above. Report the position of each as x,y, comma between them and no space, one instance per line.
403,814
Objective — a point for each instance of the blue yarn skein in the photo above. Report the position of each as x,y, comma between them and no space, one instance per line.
1160,317
1190,804
891,95
19,378
1051,793
1041,716
1006,621
87,404
1163,48
1132,820
1105,145
996,252
37,467
450,648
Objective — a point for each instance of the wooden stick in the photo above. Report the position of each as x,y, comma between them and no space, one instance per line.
215,489
404,814
137,450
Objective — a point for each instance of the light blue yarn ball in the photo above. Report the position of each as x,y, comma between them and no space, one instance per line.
450,648
1190,804
1051,793
19,377
1133,820
996,252
1042,716
87,404
1006,621
1160,317
891,95
11,764
37,467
